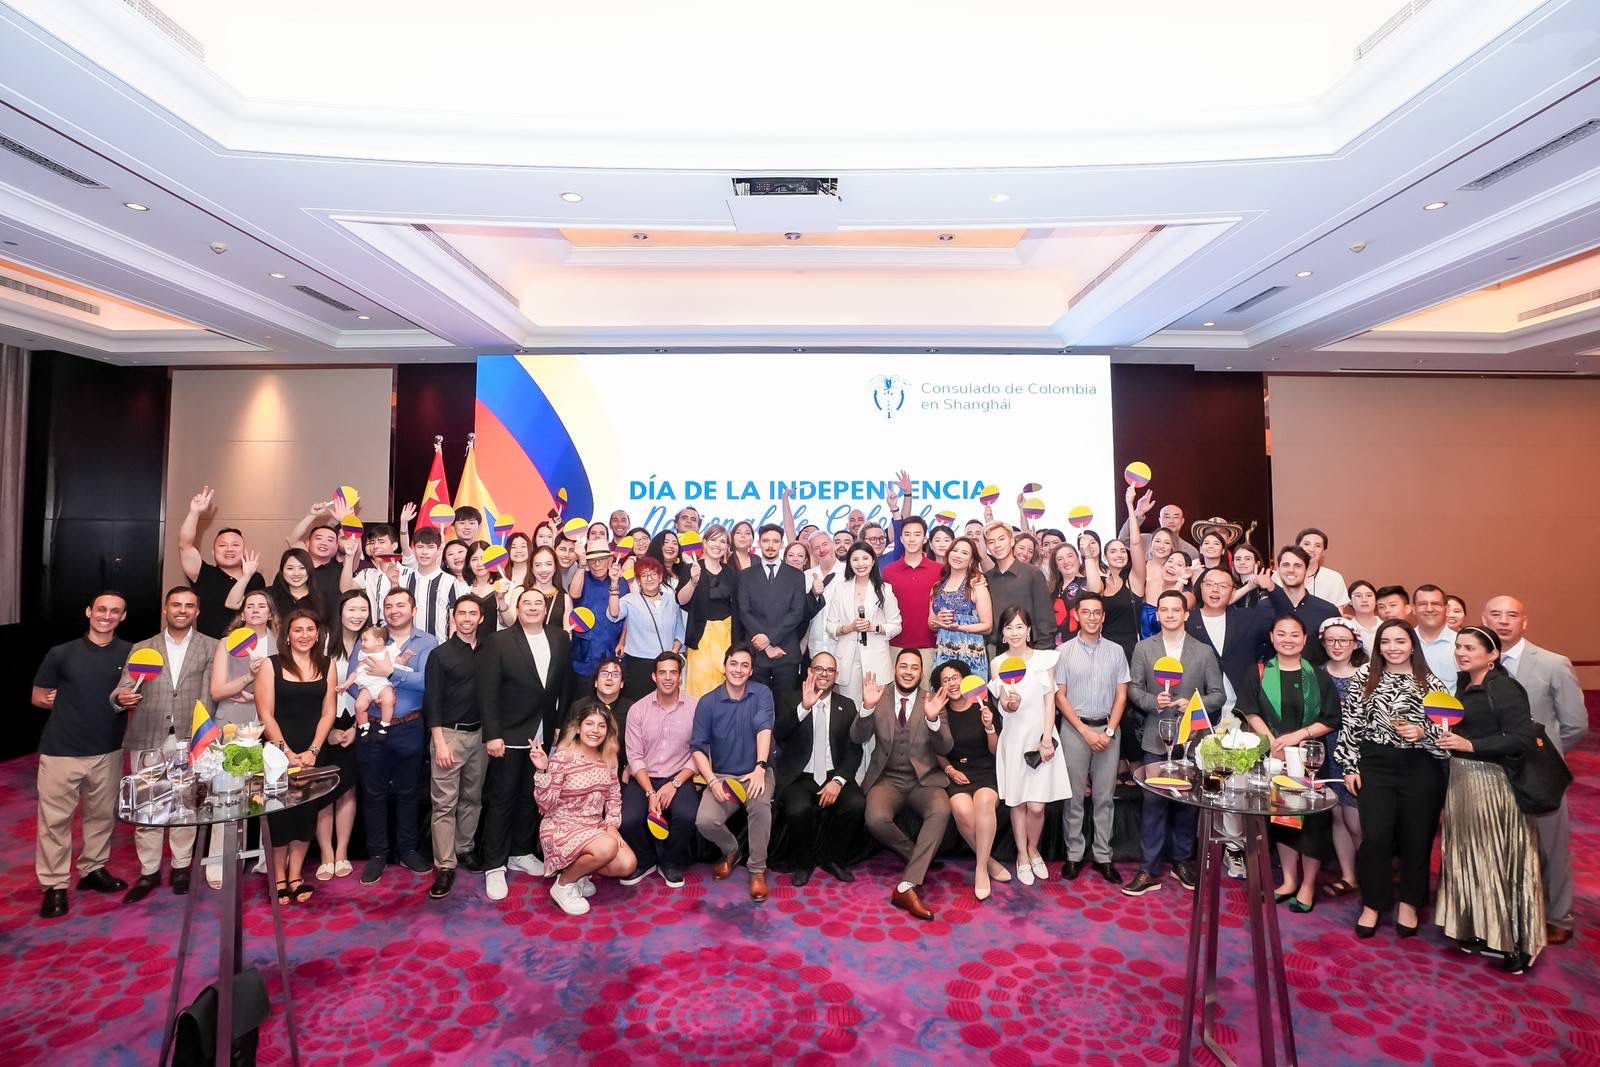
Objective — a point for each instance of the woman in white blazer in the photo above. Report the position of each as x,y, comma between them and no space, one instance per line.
862,617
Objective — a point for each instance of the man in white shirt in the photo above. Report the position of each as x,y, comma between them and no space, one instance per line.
1556,703
816,774
435,591
1438,640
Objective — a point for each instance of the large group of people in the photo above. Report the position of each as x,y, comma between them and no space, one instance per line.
604,701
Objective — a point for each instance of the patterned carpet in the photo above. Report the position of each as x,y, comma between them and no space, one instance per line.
1056,973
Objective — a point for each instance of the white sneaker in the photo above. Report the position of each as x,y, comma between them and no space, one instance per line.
586,887
569,897
494,883
1025,873
1233,863
1040,871
639,875
526,865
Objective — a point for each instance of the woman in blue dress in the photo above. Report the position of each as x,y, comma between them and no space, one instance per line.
960,613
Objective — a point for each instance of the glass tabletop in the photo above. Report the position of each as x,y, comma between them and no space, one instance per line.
199,808
1239,801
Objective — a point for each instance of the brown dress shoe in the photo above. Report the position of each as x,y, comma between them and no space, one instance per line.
758,886
909,901
725,866
1557,935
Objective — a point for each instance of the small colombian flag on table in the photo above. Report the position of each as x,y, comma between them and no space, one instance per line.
1194,719
203,731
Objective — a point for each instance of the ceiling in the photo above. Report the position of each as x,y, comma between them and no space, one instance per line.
1243,188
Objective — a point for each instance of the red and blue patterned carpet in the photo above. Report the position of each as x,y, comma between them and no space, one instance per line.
1056,973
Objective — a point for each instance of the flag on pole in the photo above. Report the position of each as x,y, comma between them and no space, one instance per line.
473,493
203,731
437,491
1194,719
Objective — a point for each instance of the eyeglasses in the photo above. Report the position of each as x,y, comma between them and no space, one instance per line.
1337,642
610,674
824,670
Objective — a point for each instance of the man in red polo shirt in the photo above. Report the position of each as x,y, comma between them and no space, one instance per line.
913,577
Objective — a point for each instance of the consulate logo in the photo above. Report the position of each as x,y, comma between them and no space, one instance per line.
889,394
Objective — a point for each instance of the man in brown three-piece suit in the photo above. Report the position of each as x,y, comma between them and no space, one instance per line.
904,771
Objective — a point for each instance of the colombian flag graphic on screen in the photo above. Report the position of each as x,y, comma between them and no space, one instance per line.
525,450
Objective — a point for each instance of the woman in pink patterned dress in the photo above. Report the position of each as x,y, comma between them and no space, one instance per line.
578,793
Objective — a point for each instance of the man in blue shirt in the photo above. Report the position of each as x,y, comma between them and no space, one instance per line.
732,739
391,764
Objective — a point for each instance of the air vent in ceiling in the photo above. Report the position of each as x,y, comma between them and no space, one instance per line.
466,264
1523,162
786,187
168,27
51,295
1265,294
1559,305
1384,32
47,163
324,297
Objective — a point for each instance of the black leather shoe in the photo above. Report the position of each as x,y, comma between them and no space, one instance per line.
838,871
180,880
800,876
1109,872
443,879
1071,869
101,881
1184,873
469,860
54,905
141,887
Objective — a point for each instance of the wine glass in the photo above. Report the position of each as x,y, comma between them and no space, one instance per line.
1313,753
1167,730
150,765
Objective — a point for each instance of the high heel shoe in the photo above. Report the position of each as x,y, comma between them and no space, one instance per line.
1365,932
1405,931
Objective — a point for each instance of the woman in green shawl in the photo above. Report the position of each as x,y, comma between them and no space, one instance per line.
1289,703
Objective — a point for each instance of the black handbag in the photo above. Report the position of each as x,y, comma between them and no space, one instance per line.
1539,776
196,1039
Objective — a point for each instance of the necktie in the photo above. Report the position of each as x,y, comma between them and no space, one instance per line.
772,570
903,700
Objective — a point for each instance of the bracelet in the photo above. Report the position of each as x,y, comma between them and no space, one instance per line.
988,731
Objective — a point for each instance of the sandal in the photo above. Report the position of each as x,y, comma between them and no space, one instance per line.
1341,888
324,872
341,868
300,891
284,895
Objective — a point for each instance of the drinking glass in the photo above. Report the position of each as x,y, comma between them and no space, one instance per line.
150,765
1167,730
1314,754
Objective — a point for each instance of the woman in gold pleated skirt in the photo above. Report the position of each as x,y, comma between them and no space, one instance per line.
708,596
1491,898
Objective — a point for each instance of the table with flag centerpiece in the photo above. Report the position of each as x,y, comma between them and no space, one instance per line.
1277,798
171,806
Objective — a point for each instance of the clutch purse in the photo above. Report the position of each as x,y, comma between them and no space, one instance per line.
1032,757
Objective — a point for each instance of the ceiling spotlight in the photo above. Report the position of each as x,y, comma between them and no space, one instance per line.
572,198
218,247
1358,246
791,236
641,237
363,317
1436,205
1208,324
275,274
1000,198
1302,274
131,206
947,237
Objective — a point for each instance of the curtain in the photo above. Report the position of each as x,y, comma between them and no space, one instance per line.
13,442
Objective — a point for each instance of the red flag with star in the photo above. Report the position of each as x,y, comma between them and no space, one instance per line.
437,492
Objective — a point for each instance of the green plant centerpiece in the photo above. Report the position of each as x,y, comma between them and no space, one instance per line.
1233,751
242,760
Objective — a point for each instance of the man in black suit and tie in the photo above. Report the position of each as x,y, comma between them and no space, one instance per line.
772,610
522,672
904,771
1237,634
816,772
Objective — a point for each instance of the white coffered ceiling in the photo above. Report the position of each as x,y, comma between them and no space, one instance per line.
1236,187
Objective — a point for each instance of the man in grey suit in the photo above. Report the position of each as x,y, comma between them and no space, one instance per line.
904,770
159,719
1201,673
1556,702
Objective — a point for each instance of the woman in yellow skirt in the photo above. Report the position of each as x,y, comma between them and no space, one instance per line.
707,596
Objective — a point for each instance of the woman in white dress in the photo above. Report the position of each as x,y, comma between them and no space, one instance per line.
1028,725
861,615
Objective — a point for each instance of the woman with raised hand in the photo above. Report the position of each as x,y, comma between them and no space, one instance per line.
974,792
579,793
708,598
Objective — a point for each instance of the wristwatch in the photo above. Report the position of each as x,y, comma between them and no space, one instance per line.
761,763
1111,731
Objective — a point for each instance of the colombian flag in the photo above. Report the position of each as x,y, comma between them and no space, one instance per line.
1194,719
437,490
202,731
472,492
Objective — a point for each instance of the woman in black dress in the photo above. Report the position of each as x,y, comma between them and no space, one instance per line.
1289,703
974,793
297,712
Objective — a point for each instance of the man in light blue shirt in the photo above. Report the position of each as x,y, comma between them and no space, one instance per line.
1091,694
1438,640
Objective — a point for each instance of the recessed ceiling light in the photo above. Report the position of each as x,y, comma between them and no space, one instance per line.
275,274
572,198
363,317
1208,324
1000,198
1228,367
1436,205
947,237
641,237
791,236
131,206
1302,274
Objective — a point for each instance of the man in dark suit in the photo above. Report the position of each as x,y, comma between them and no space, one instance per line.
816,771
771,610
904,771
1237,634
522,673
